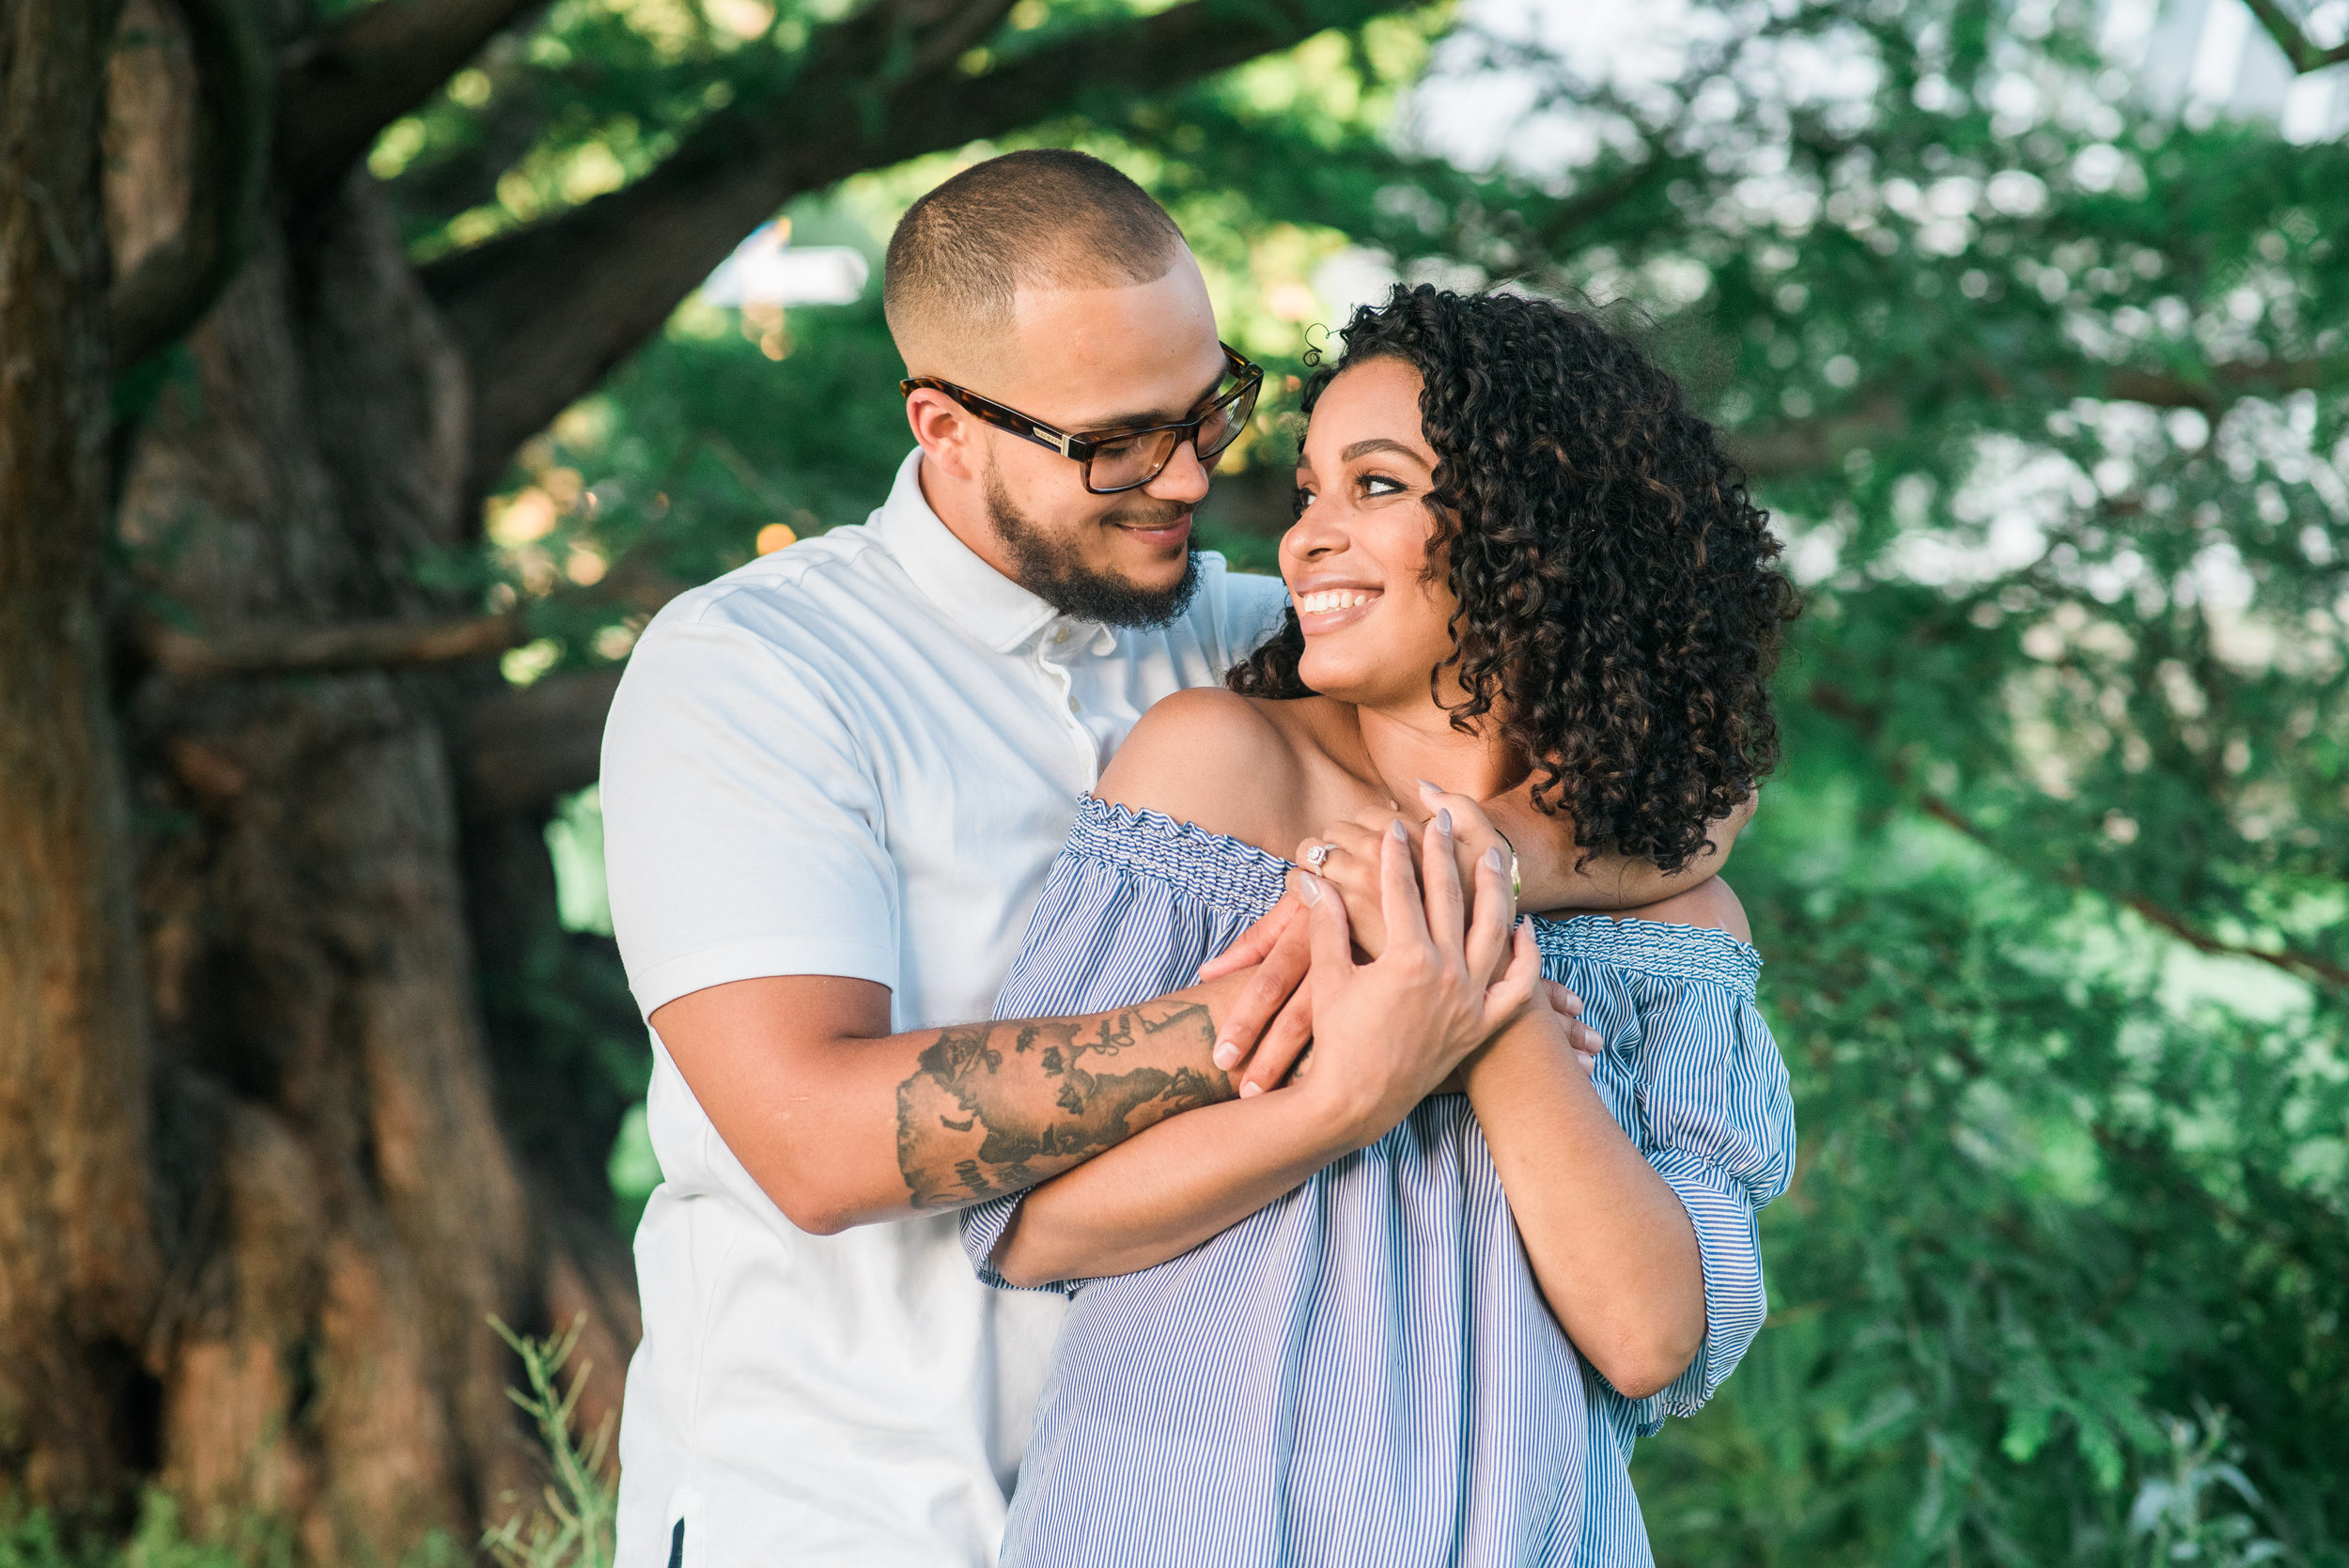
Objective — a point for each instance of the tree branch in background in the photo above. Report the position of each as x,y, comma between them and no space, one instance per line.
1800,447
1777,451
172,287
2301,965
526,745
345,85
2285,29
359,646
545,312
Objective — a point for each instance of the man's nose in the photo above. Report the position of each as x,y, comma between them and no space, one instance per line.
1184,479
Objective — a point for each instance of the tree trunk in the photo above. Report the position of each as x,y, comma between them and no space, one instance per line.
274,1294
78,1264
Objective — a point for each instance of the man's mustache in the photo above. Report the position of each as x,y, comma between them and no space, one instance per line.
1162,515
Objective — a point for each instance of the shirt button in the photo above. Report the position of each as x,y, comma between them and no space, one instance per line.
1074,706
1060,636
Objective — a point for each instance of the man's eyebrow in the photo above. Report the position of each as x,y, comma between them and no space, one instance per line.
1379,443
1155,416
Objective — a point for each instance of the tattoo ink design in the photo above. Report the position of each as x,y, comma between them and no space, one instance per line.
996,1108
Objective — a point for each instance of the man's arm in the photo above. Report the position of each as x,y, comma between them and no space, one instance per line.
1548,862
843,1123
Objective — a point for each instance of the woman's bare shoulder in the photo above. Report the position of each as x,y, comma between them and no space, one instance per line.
1232,765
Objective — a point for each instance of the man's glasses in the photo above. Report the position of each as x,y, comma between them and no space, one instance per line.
1118,460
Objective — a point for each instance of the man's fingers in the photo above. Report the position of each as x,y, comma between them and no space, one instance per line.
1250,945
1276,980
1581,1036
1509,996
1282,1045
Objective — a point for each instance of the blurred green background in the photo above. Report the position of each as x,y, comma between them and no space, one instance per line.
2028,322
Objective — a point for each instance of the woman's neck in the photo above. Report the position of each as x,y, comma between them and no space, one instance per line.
1403,745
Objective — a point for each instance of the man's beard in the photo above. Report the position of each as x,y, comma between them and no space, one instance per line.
1055,571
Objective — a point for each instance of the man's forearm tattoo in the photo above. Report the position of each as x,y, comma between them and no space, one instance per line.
995,1108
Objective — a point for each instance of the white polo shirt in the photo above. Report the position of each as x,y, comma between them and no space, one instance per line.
859,756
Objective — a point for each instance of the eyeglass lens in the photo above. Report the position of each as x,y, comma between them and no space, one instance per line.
1139,458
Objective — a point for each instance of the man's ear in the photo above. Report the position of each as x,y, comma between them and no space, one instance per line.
949,435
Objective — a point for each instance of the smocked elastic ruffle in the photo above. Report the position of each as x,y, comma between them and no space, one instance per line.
1218,870
1652,947
1210,867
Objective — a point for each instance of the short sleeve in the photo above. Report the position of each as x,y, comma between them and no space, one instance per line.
1707,1103
742,827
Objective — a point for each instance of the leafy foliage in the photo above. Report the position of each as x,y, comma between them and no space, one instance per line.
571,1526
2045,388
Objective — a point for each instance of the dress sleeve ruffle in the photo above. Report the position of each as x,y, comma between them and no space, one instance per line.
1697,1081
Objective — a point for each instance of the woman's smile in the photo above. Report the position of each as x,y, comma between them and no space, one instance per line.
1325,608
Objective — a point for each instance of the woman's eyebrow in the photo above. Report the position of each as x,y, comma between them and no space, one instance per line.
1379,443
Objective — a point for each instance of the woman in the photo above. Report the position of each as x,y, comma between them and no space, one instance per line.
1339,1323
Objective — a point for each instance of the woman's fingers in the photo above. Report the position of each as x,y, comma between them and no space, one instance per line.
1398,888
1250,945
1332,941
1446,905
1488,932
1284,965
1282,1044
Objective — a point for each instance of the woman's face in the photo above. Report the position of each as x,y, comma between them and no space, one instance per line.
1375,621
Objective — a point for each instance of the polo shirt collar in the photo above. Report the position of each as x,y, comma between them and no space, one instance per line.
983,601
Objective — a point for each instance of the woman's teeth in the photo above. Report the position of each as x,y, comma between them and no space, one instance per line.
1331,599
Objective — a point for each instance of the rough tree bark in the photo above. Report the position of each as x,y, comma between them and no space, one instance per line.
78,1265
292,1089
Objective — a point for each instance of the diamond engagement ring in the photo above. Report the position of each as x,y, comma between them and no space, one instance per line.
1318,856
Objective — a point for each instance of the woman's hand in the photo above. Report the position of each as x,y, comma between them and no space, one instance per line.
1391,1030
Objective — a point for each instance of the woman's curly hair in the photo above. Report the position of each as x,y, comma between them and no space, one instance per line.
1619,614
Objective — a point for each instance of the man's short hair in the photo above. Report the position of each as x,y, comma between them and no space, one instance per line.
1042,218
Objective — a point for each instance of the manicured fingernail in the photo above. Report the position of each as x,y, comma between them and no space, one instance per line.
1492,859
1428,789
1395,831
1443,822
1250,1091
1226,1055
1309,887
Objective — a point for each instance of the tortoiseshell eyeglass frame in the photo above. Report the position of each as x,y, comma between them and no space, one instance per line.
1081,447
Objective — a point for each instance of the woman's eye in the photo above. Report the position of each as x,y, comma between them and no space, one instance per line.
1379,484
1299,499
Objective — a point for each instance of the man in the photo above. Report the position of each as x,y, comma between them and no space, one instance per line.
834,783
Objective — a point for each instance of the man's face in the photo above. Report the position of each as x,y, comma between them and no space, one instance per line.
1091,360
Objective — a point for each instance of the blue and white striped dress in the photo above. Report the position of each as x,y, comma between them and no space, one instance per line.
1364,1371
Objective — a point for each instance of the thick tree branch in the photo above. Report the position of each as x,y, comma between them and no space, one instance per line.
345,85
1776,451
2299,965
359,646
177,281
526,745
544,312
2285,29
